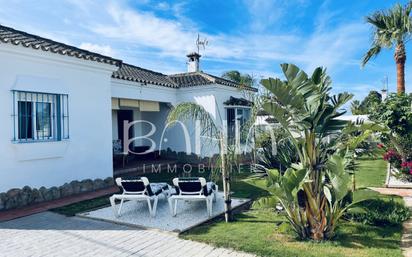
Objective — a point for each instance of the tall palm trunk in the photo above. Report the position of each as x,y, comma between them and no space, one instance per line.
400,59
226,181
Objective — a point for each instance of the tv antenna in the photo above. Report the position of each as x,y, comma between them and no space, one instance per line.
201,43
385,83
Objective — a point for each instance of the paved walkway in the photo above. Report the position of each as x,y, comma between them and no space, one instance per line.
403,192
50,234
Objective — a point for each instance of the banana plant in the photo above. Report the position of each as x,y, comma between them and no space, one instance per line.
312,191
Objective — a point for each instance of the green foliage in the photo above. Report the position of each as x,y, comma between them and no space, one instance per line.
379,212
242,79
390,28
355,107
313,191
396,114
265,232
269,202
368,104
275,149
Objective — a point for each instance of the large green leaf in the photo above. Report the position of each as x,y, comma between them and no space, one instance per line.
273,177
284,93
292,181
293,74
309,115
265,202
339,178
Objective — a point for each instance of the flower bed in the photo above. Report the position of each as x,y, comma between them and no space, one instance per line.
399,169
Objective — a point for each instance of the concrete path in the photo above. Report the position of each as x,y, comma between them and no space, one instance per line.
50,234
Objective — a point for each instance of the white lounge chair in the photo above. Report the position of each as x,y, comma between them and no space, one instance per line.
193,189
139,190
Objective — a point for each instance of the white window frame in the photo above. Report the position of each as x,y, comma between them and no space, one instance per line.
237,120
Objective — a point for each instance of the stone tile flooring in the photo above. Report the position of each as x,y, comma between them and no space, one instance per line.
49,234
189,213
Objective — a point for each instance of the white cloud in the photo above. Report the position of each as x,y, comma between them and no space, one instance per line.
163,6
152,41
147,30
101,49
334,48
264,13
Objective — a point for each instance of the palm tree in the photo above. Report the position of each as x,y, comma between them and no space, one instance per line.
355,107
391,28
242,79
187,112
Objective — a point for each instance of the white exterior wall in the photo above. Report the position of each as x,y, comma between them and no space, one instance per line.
93,125
211,97
88,152
133,90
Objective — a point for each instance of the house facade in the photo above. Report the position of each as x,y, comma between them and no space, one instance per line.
62,109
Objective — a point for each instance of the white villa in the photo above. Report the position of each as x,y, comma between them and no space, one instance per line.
61,108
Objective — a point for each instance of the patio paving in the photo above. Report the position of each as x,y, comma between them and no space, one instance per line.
50,234
189,214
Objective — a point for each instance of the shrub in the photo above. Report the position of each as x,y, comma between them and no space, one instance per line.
393,158
406,167
380,213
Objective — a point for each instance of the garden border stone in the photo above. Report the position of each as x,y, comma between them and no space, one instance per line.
26,196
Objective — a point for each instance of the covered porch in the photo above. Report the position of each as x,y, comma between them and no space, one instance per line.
137,130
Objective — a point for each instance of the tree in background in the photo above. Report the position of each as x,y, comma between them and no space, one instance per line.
368,104
242,79
391,28
355,107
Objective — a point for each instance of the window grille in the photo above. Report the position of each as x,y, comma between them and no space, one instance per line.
40,116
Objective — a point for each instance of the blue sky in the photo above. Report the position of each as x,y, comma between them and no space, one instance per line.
252,36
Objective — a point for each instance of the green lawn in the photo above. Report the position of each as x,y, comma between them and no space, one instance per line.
87,205
265,233
371,173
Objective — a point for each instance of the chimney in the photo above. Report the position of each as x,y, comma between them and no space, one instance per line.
193,62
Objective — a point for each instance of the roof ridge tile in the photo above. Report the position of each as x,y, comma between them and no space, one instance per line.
18,37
